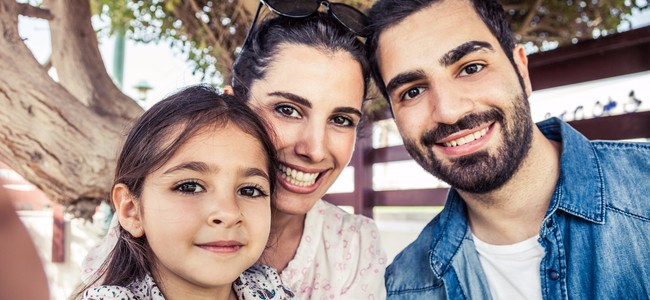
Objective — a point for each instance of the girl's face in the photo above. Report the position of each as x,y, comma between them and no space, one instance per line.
206,212
312,98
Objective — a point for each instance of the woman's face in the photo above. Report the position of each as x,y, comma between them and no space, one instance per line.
312,98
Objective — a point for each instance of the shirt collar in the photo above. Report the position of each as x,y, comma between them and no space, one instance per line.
449,233
580,188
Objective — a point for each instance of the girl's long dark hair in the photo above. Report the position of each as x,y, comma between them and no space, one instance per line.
152,141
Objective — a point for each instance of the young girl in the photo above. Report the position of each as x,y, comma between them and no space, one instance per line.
192,195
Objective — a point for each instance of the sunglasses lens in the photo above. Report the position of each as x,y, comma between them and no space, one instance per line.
293,8
351,18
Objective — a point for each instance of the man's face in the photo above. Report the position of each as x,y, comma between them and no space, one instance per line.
457,100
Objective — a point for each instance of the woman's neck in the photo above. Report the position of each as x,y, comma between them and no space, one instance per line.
286,233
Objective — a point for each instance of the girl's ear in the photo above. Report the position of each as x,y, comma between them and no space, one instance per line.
127,210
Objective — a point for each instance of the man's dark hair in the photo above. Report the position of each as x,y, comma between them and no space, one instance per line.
385,14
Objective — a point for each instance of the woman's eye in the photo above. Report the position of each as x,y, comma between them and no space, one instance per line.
342,121
288,111
252,192
189,188
412,93
471,69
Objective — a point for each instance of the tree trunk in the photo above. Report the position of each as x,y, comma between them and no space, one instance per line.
64,137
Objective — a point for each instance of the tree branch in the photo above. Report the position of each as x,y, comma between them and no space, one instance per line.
27,10
525,24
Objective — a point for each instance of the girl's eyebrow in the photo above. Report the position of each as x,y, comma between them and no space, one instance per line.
250,172
202,167
196,166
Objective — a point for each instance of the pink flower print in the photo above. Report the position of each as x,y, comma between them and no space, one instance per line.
353,228
308,238
373,234
341,266
327,245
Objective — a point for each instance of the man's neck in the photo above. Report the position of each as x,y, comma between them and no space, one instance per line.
514,212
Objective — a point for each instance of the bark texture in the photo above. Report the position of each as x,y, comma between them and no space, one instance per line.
61,136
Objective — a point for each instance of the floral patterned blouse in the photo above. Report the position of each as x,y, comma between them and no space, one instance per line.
257,282
339,257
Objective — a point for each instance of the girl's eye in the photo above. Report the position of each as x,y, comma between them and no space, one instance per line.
251,192
412,93
189,187
288,111
343,121
471,69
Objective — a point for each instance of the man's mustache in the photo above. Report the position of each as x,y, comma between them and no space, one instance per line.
430,137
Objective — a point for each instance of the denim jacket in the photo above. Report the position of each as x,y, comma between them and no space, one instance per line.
595,234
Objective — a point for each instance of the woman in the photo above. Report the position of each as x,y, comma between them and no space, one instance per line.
308,77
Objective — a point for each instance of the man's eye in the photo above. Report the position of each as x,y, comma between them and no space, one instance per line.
288,111
412,93
342,121
471,69
189,188
252,192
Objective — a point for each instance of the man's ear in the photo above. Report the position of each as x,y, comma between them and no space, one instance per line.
128,210
521,61
228,90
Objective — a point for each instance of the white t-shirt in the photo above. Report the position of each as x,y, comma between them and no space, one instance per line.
339,257
512,271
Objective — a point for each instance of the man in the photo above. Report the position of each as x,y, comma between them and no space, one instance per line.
536,211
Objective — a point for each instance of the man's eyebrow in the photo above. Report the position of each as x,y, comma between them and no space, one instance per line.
459,52
293,98
403,78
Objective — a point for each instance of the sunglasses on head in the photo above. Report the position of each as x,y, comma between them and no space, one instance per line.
348,16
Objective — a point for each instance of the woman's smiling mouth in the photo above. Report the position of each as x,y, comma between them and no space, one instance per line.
298,178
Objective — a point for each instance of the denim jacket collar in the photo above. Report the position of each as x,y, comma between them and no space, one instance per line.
449,234
580,189
577,154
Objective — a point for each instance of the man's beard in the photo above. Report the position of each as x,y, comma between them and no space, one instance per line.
479,172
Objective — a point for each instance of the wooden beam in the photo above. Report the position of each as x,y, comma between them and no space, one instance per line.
619,127
58,234
614,55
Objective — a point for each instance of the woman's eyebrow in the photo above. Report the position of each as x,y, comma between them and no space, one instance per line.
293,98
348,110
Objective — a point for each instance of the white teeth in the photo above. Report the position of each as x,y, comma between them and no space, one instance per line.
298,178
466,139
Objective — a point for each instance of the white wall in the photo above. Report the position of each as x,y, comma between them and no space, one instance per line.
79,236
